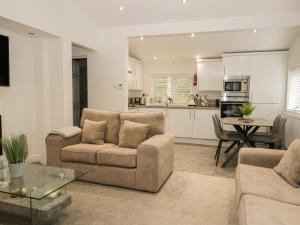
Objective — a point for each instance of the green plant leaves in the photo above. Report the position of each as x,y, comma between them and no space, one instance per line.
14,148
247,108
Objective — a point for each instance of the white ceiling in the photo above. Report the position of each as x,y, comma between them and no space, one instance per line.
106,13
184,48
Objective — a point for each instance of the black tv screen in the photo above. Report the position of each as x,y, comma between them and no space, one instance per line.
4,61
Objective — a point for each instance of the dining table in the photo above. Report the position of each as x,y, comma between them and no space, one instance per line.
245,127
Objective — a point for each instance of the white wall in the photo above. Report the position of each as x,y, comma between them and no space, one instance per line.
19,101
188,69
293,122
39,98
109,69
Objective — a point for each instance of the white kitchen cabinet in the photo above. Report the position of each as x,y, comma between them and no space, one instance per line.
268,77
180,122
135,74
236,65
203,127
210,75
192,123
267,111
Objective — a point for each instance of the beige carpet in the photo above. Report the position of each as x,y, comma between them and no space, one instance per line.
188,198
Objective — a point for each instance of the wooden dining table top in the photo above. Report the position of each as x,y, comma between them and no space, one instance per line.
258,122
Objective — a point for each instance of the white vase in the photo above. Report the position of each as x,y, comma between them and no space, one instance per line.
246,117
16,170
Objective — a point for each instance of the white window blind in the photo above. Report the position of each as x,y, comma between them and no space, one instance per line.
177,87
293,92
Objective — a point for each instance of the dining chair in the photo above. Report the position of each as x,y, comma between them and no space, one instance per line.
224,136
275,138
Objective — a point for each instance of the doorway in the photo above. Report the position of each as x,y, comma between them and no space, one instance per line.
80,88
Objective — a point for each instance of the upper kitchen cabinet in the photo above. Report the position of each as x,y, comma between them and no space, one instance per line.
268,77
135,74
210,74
236,65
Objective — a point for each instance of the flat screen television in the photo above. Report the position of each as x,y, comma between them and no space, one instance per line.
4,61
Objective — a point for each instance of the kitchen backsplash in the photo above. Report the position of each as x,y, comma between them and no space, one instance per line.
135,93
211,94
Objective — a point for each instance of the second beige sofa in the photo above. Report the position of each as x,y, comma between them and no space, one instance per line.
263,196
145,168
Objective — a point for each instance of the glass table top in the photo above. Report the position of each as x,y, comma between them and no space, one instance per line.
38,181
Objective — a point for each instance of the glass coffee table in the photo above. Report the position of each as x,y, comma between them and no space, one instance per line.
39,195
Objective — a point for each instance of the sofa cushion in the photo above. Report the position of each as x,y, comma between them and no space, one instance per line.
93,132
289,166
117,156
264,182
85,153
155,120
132,134
112,123
256,210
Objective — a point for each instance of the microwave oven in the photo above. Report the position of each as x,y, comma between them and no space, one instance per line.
236,86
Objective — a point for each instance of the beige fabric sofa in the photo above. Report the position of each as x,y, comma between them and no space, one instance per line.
145,168
264,197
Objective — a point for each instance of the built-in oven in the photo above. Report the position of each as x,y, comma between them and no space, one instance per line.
230,107
236,86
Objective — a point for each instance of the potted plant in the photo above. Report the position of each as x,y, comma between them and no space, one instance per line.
14,149
246,109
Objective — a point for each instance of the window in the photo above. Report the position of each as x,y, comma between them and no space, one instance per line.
177,87
293,92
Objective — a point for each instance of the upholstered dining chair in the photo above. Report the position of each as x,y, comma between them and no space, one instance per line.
275,138
224,136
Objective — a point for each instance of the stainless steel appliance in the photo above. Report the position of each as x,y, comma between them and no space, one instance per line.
230,107
236,86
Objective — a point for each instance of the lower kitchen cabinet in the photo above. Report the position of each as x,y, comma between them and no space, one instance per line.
192,123
203,127
180,122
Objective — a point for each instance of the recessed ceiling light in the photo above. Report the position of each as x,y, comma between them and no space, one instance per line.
254,30
184,2
121,8
192,35
141,38
155,58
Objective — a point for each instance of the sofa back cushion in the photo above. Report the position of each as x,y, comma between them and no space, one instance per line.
155,120
112,123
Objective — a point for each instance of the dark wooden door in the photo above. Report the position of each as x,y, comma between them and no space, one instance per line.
80,89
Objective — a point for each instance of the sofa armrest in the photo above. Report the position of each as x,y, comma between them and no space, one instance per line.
54,144
260,157
155,160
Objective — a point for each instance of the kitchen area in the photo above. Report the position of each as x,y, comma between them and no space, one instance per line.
189,93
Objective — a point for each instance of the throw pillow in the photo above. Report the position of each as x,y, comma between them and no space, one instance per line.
93,132
132,134
289,165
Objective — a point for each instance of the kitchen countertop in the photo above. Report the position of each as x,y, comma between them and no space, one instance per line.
174,107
